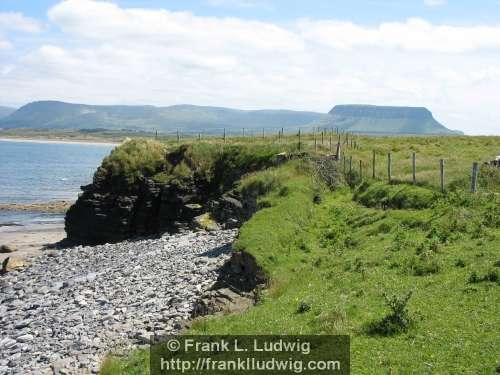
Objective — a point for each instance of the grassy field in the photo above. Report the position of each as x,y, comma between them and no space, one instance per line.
411,274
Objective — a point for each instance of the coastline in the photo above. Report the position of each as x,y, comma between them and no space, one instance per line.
30,240
97,142
48,207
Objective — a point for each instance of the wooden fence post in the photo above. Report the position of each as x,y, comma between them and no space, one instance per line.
350,164
178,136
315,143
414,167
263,135
338,151
344,164
199,137
441,174
361,170
373,165
331,142
243,132
322,135
299,139
224,135
389,167
475,170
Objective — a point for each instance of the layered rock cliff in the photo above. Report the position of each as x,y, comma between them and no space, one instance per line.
134,193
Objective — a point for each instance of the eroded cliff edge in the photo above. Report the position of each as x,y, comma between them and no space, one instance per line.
142,188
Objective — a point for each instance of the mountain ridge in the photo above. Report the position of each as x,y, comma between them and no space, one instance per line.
6,111
189,118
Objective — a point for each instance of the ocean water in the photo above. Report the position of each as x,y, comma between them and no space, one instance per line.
35,171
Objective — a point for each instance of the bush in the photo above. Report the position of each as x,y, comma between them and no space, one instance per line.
134,159
398,320
303,307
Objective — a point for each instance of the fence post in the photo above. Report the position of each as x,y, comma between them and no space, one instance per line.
389,167
315,143
322,135
299,139
178,137
350,164
344,164
373,165
263,135
199,137
361,170
243,132
475,170
441,174
224,136
338,151
330,142
414,166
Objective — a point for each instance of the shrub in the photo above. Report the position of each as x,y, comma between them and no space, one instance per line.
401,239
303,307
397,320
134,159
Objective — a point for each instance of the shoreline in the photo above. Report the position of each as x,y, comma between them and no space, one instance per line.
31,240
96,142
51,207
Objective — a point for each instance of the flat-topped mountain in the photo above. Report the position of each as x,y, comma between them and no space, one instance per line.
193,119
384,120
186,118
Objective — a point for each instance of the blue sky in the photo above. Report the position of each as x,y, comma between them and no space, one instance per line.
304,55
363,11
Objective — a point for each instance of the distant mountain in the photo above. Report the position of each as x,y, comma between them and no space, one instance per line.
5,111
192,119
372,119
186,118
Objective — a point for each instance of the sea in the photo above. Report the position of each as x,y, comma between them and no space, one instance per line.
44,171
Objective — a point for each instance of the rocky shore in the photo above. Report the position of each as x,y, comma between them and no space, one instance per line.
71,307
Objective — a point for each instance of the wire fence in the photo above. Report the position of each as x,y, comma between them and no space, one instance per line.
355,160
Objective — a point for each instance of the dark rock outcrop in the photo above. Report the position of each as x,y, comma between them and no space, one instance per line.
105,213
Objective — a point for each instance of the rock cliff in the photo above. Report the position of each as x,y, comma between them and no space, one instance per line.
166,199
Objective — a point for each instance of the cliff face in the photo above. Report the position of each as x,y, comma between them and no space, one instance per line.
168,194
384,120
111,213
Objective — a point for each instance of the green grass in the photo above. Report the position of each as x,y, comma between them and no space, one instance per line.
344,261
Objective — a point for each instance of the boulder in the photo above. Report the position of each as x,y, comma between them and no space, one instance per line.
7,249
12,263
206,222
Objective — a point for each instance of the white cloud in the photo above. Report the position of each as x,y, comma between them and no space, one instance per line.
435,3
14,21
413,35
4,44
110,55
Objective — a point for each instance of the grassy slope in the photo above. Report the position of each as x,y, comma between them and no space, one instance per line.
340,257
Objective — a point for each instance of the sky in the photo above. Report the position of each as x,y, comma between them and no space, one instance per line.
256,54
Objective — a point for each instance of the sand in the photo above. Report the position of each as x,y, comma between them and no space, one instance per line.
49,207
30,240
